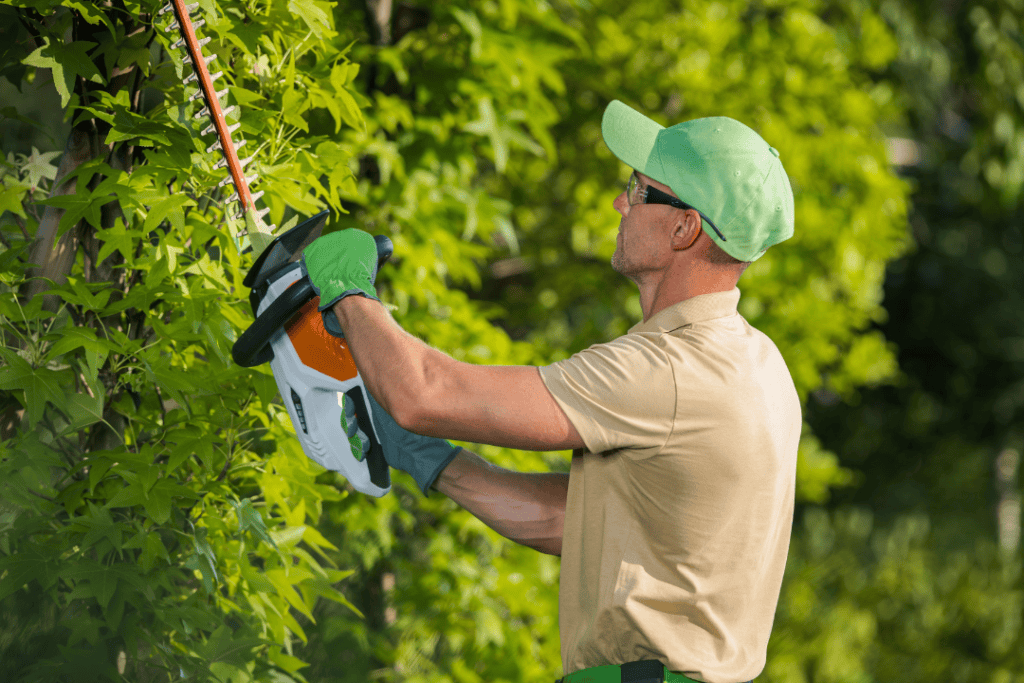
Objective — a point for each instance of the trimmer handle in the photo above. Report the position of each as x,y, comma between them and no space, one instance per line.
253,346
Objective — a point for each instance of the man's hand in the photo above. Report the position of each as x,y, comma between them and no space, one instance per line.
340,264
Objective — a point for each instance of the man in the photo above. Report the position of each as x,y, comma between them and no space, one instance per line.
673,524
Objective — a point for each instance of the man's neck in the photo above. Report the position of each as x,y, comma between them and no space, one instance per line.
657,295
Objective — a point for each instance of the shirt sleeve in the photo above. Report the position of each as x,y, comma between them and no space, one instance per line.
618,395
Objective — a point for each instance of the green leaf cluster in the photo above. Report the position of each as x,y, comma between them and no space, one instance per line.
158,520
941,450
863,601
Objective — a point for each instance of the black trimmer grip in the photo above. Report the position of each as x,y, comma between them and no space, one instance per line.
384,249
246,351
380,474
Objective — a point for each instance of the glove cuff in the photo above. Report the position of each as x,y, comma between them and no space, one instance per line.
370,293
429,481
331,323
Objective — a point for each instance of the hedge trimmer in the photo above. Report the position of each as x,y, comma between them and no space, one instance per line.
315,371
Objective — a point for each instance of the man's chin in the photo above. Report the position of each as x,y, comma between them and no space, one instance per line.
619,267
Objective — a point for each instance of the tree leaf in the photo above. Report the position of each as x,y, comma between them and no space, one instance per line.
84,410
100,525
250,519
17,570
76,206
67,61
81,337
37,166
313,13
169,205
11,197
130,495
288,536
103,585
118,238
350,110
189,442
154,549
321,587
39,385
257,581
287,662
283,583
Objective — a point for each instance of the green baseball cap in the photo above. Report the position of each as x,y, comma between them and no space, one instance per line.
718,166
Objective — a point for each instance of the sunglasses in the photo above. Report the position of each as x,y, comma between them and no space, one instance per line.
645,194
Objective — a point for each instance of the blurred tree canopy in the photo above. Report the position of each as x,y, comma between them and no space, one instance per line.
955,301
469,132
941,448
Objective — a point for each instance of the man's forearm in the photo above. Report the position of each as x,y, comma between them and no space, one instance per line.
528,508
393,363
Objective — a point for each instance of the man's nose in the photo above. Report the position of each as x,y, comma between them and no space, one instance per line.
620,204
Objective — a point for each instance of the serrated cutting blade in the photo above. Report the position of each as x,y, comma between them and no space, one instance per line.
260,235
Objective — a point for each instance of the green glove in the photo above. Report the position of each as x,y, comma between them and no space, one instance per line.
340,264
423,457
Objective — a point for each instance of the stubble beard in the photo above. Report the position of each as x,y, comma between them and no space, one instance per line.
621,264
618,257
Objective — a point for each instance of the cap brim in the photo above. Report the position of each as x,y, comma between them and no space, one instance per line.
629,135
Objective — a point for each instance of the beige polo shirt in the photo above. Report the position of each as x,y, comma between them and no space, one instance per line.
678,518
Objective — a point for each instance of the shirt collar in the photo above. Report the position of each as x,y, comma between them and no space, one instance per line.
693,310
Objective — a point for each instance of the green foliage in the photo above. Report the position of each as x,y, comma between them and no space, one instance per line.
482,156
955,301
158,517
470,134
945,603
862,603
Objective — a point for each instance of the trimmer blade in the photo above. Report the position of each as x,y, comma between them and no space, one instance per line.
260,235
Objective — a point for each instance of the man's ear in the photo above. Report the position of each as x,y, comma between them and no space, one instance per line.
687,230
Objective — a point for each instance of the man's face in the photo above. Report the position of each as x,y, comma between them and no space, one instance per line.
643,243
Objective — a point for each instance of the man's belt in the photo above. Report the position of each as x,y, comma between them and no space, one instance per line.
646,671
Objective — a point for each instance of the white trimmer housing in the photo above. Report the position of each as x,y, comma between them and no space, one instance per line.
324,394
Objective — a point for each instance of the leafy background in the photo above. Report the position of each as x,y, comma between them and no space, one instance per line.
158,520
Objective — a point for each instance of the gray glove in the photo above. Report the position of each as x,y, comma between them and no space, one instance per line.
424,457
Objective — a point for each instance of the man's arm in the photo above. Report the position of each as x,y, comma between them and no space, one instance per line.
430,393
523,507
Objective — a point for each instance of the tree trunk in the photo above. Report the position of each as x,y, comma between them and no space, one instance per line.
54,260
